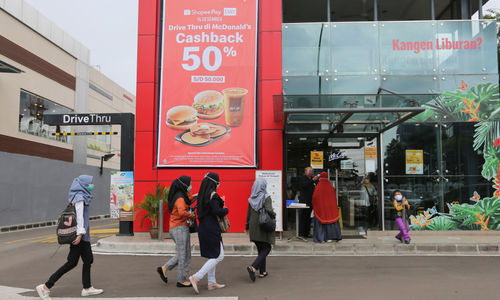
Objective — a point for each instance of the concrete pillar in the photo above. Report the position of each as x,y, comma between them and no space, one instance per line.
81,106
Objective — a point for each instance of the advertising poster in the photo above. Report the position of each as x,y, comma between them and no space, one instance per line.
274,188
122,196
414,161
207,114
317,159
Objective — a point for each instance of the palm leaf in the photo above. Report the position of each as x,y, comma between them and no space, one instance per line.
442,223
464,213
486,133
491,162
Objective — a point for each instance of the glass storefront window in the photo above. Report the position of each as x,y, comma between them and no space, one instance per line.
352,10
404,10
32,108
354,56
465,47
299,11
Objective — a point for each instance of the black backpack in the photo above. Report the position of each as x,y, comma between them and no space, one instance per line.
66,225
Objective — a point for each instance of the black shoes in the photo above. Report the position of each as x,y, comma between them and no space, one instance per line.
162,276
183,285
251,273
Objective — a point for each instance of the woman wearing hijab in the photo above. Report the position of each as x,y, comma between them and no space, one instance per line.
263,239
326,211
210,205
178,206
80,194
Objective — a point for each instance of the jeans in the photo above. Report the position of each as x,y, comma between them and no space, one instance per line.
209,268
83,250
260,262
182,258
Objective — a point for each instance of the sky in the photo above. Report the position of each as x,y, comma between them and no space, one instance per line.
109,29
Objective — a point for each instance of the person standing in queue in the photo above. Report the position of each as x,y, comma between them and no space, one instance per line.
178,206
306,187
210,205
326,212
263,239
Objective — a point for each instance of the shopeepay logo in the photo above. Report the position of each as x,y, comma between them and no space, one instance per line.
438,44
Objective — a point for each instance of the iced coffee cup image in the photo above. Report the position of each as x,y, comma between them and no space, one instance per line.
234,105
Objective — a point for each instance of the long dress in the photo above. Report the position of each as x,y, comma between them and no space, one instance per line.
326,212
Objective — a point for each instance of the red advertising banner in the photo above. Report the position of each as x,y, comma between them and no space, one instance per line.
208,84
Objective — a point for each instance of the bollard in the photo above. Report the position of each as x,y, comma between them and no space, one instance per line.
160,220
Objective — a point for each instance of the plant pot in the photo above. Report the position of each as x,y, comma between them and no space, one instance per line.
153,232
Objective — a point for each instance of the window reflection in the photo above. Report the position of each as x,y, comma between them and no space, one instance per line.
32,108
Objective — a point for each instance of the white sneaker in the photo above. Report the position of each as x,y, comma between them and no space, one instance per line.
42,292
91,292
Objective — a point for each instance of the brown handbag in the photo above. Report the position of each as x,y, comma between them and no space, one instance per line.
223,221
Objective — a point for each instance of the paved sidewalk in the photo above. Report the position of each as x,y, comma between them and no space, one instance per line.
377,243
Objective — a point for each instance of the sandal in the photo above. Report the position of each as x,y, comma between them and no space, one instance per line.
262,275
251,272
162,276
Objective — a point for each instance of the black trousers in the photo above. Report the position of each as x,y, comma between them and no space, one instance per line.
305,222
83,250
260,262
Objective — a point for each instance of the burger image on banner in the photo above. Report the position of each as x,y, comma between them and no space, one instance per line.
209,104
181,117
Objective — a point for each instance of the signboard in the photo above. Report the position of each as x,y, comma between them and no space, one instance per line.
122,196
208,84
370,152
317,159
346,164
274,188
414,161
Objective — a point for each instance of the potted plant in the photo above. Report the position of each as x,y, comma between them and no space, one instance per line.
150,205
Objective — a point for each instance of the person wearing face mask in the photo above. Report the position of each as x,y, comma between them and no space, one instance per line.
178,206
400,203
306,187
210,205
80,194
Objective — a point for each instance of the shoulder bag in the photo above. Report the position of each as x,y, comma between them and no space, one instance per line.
223,221
266,222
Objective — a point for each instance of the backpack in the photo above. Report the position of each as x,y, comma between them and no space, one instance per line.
66,225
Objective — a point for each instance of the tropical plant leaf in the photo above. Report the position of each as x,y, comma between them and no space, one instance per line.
486,133
442,223
151,203
491,162
465,214
491,209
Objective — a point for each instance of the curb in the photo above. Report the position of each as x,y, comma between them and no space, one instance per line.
19,227
308,249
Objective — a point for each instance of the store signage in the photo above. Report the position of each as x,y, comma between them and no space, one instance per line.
370,152
438,44
207,115
82,119
317,159
346,164
274,189
335,156
122,196
414,161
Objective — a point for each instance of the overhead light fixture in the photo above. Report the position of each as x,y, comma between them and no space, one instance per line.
104,158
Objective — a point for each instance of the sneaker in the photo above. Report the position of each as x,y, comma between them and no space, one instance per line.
91,291
43,292
215,286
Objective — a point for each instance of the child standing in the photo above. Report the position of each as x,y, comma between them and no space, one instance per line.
400,203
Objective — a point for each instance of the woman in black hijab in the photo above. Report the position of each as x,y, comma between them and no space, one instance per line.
178,206
210,205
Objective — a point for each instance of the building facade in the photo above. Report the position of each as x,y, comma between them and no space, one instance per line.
47,71
396,95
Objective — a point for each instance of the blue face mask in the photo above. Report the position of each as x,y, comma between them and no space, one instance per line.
90,187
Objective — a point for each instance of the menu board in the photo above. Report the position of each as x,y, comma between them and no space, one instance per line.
274,189
122,196
207,101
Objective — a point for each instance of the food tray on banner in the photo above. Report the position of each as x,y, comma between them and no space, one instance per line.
211,140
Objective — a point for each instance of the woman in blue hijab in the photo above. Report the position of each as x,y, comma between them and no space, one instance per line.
80,194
